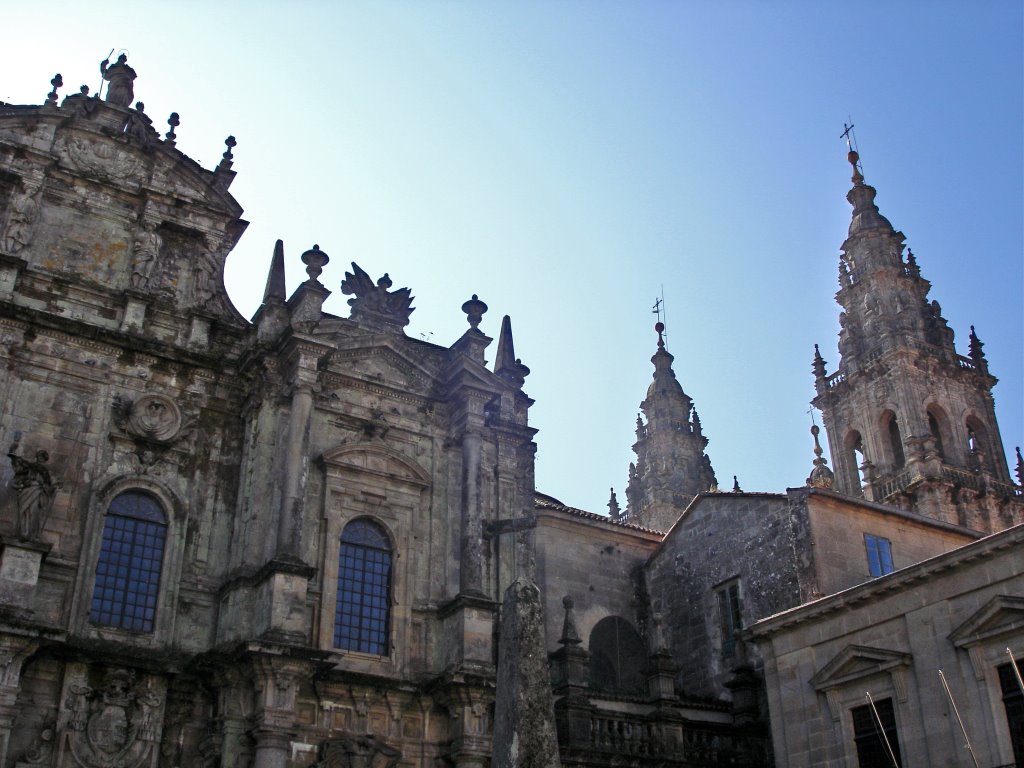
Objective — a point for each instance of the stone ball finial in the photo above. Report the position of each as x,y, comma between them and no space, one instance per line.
314,259
474,309
821,476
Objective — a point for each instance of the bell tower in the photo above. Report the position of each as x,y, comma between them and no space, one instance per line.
671,466
910,422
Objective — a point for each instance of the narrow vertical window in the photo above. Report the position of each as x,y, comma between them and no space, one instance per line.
879,555
1013,700
131,558
363,609
896,442
730,616
933,427
874,733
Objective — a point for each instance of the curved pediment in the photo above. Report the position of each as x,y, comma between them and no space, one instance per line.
147,218
378,460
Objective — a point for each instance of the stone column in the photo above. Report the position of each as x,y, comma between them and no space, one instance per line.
14,651
276,682
524,717
471,570
289,524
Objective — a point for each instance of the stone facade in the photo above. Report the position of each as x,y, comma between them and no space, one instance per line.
284,542
890,638
172,570
777,551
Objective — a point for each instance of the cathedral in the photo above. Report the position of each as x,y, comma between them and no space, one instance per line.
304,540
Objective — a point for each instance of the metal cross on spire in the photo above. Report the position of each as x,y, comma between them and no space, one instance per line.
850,136
659,310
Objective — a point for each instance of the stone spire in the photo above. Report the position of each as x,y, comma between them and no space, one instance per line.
671,466
275,289
507,365
902,402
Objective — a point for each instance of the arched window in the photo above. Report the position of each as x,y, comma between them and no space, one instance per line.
938,425
130,561
854,459
977,442
618,657
895,440
363,609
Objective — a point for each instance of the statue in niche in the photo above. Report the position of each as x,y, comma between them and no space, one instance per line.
19,225
120,76
203,280
35,490
144,252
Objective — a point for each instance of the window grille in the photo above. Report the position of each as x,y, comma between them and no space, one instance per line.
131,558
363,610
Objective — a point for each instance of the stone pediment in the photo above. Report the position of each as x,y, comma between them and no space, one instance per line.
385,366
1001,616
990,626
854,665
375,459
856,662
121,163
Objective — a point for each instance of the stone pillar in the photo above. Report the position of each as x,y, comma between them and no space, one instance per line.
471,570
14,651
661,677
276,683
289,524
20,562
524,717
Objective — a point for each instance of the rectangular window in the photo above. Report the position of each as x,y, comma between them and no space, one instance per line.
874,733
730,616
879,555
1013,700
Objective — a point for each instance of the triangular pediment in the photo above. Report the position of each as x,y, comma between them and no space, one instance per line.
385,366
856,662
1001,616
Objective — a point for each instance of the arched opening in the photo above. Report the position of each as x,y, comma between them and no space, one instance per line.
853,447
891,429
618,657
978,443
362,615
938,425
130,562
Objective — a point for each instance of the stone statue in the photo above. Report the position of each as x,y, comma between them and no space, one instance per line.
120,76
35,491
145,249
202,280
19,226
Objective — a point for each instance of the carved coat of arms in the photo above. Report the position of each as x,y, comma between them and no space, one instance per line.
112,726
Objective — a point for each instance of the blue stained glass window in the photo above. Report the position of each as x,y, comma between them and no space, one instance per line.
131,558
879,555
363,608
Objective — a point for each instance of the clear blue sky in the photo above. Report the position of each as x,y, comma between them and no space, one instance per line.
569,160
